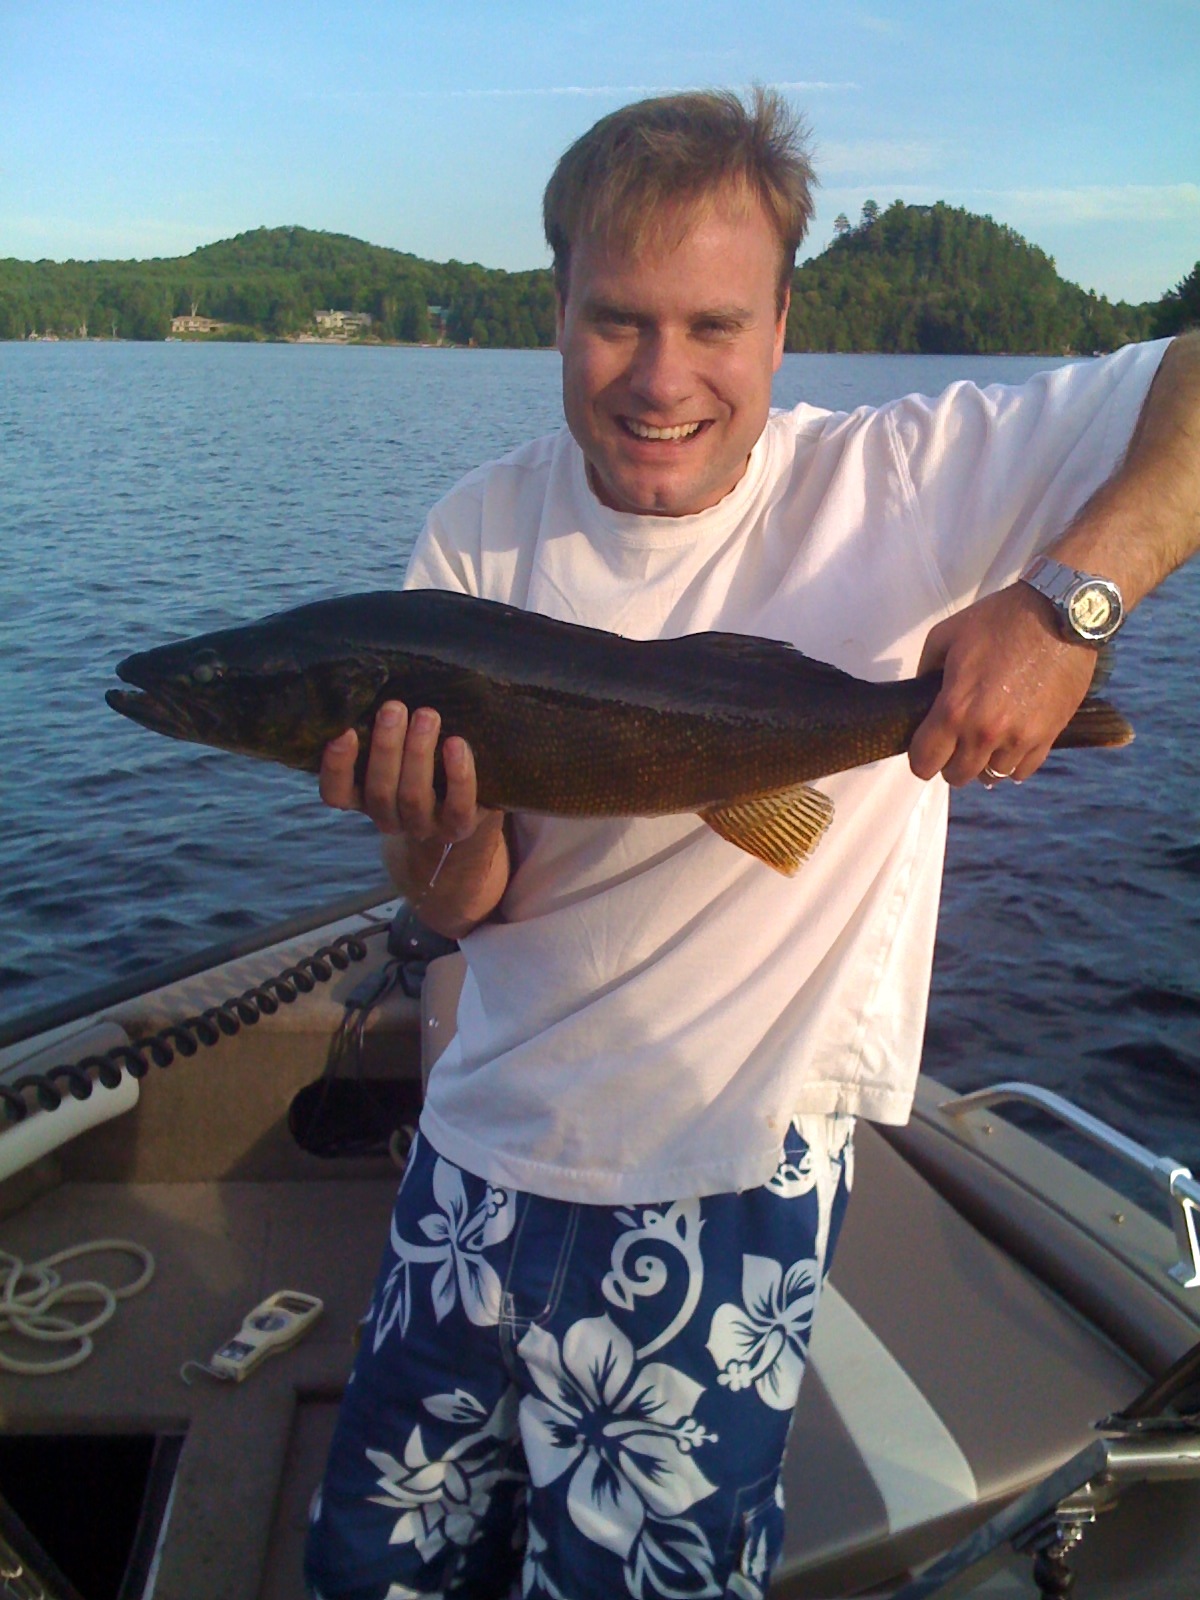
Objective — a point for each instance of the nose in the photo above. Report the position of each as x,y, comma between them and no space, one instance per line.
660,374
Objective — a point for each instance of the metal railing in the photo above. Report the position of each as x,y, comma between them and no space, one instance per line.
1181,1189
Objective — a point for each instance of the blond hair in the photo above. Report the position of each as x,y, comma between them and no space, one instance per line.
652,165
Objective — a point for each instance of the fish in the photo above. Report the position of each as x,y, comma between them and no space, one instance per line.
563,720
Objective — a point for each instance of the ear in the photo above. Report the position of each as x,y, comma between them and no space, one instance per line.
781,331
560,312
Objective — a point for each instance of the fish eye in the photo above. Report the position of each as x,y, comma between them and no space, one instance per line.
207,668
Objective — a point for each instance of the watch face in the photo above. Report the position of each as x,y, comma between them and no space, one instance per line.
1091,608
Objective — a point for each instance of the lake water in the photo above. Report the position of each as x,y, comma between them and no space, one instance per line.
152,491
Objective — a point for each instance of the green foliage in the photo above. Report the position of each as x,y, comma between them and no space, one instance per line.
908,278
268,283
1178,309
939,279
512,310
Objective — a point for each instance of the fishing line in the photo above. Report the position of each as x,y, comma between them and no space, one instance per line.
446,849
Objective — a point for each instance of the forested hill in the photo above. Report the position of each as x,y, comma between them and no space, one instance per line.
943,280
271,283
911,278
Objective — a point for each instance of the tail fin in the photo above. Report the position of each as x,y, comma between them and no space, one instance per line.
1095,723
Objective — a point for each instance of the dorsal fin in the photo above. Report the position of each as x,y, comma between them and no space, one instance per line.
745,650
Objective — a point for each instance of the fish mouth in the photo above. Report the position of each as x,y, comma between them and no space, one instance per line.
156,707
155,711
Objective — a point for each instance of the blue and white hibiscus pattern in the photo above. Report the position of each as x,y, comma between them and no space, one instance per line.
625,1434
456,1239
763,1341
443,1501
618,1430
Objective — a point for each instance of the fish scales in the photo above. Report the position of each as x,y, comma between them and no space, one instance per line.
562,719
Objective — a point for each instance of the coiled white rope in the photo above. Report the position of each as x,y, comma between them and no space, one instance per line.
28,1311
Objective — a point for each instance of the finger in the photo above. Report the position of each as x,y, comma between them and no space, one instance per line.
999,767
945,742
963,734
336,783
933,745
981,745
384,761
415,799
459,816
937,644
1029,763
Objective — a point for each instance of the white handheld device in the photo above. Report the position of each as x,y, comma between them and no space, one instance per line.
275,1325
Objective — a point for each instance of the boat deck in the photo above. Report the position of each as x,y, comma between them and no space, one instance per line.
220,1248
945,1375
253,1451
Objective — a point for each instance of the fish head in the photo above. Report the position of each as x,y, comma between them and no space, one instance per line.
268,690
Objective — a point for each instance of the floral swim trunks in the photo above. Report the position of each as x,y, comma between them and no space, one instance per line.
572,1402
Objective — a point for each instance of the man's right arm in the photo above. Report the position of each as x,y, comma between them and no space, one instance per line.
450,858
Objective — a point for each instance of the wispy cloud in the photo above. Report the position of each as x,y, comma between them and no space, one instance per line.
874,24
1121,202
31,237
815,83
607,90
885,157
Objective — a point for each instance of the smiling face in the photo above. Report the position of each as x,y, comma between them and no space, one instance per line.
668,356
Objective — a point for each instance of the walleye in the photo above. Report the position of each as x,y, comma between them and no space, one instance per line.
564,720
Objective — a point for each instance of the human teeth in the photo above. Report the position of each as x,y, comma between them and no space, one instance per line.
645,430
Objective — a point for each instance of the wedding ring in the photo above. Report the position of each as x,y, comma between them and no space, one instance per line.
996,777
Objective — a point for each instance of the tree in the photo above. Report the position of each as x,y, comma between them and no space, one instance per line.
905,278
143,314
14,317
1179,308
937,278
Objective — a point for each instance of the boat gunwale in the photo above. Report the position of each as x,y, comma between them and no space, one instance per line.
1059,1221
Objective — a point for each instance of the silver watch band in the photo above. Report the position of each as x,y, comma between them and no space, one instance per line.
1052,578
1089,609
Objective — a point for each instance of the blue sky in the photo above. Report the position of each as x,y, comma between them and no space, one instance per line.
137,129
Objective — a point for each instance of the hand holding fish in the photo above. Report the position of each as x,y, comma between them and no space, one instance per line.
558,720
398,793
1011,683
1010,686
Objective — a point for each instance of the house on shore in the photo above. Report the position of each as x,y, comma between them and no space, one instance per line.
194,324
342,324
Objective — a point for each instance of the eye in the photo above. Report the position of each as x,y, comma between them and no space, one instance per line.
611,322
715,328
207,668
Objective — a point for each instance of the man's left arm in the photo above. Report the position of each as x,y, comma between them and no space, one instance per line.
1011,682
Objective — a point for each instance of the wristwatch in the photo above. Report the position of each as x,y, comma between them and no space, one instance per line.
1088,610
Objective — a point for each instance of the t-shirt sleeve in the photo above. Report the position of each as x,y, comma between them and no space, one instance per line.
995,474
480,538
447,552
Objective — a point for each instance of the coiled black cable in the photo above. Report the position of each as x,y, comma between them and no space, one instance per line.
47,1089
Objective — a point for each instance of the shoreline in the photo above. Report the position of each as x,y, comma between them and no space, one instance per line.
517,349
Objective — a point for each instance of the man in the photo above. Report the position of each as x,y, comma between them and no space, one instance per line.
589,1330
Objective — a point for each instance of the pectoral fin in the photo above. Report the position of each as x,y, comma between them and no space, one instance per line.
782,829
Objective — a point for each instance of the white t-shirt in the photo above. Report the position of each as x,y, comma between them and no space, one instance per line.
652,1006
